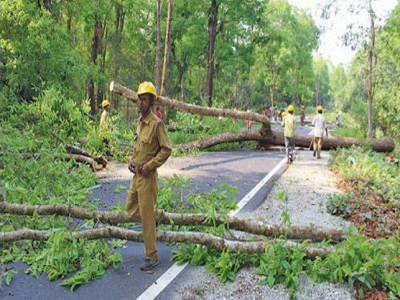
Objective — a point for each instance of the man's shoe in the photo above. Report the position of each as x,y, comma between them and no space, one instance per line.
314,153
148,265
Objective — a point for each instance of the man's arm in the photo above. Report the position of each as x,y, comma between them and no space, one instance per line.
165,148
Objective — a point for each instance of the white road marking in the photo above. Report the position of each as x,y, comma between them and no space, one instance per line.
165,279
258,187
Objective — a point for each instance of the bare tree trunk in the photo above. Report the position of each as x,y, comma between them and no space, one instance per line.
119,26
96,40
103,48
193,109
371,50
158,49
311,232
212,33
205,239
167,47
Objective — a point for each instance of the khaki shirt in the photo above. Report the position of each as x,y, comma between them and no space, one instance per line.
289,122
151,144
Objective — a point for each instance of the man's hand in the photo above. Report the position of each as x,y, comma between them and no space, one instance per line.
131,165
144,170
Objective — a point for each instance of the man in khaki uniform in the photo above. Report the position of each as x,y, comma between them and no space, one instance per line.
151,150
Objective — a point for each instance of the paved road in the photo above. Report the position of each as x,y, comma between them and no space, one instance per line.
241,168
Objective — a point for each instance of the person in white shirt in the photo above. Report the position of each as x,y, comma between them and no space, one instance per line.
319,124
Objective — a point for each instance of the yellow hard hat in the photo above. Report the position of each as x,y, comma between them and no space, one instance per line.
147,88
290,108
105,103
319,108
284,114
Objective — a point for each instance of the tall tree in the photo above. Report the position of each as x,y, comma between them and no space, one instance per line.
96,45
167,48
158,46
356,38
212,33
371,51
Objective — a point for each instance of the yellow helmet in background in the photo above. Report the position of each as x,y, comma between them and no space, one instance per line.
290,108
284,114
105,103
319,108
147,88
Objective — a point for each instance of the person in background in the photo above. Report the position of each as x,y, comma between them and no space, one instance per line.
289,124
281,112
319,124
248,123
268,112
338,117
105,127
159,113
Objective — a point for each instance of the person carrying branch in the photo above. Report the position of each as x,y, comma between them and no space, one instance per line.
151,149
289,124
319,124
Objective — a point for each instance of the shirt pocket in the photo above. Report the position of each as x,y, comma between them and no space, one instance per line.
147,144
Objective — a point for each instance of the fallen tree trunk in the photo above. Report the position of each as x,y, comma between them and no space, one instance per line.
78,151
77,157
86,160
254,227
192,109
385,144
199,238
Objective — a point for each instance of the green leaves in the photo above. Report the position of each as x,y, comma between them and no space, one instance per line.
8,274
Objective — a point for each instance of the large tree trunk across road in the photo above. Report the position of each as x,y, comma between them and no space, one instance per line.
265,135
277,139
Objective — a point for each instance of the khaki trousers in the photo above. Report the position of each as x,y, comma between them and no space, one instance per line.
140,203
318,145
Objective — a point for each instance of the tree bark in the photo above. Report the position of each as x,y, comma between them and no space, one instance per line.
103,51
167,47
158,46
212,33
200,238
96,40
371,49
193,109
315,234
77,151
276,138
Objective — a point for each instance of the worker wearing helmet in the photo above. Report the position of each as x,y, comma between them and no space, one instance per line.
104,126
319,124
289,124
151,150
